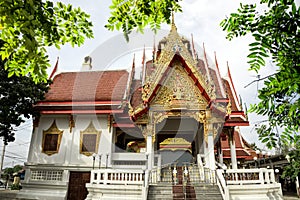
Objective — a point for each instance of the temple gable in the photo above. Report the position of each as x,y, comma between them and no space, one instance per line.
178,91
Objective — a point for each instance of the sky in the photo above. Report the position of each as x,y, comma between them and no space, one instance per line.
109,51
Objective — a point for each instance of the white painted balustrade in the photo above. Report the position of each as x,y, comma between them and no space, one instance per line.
245,184
112,176
249,176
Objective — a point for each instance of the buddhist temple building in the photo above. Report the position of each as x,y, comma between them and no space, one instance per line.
111,135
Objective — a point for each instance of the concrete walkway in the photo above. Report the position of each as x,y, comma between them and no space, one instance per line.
11,194
291,198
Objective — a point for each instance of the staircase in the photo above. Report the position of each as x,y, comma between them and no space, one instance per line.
161,191
186,185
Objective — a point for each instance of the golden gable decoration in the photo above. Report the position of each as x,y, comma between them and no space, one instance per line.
89,140
180,92
174,44
175,144
51,140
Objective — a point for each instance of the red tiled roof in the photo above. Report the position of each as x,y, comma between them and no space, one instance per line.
213,75
201,67
136,98
230,95
88,86
242,149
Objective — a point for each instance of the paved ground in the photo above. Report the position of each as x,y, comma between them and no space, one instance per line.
288,197
9,195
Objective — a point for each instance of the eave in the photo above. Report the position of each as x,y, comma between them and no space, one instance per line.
236,123
81,111
236,118
79,107
75,103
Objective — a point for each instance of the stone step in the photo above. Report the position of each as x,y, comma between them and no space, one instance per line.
160,192
193,189
159,197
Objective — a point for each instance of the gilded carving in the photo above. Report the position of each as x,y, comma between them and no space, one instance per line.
174,144
144,119
179,91
71,123
217,128
148,130
159,117
51,140
130,111
199,116
174,45
109,122
89,140
228,111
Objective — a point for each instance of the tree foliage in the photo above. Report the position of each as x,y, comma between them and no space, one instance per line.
277,37
128,15
31,25
18,94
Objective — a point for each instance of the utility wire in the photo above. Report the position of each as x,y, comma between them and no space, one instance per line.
259,79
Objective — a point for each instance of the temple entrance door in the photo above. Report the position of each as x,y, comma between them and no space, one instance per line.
178,140
77,189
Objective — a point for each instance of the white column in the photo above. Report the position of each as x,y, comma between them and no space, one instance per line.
205,152
219,151
149,151
211,153
221,157
232,150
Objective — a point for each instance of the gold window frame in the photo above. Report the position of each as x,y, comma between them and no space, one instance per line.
90,130
54,131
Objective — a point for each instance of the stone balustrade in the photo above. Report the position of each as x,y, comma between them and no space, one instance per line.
247,184
249,176
113,176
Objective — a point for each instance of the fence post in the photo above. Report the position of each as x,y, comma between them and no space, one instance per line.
261,176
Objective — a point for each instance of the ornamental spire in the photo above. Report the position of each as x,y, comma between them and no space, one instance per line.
173,26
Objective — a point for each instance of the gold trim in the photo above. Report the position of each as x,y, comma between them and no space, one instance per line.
109,122
88,131
71,123
174,45
179,92
52,130
175,144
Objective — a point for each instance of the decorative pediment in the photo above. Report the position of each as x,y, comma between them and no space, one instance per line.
89,140
175,46
175,144
179,92
51,140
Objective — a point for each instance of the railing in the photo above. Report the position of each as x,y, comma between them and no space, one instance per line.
145,188
200,167
222,184
156,173
124,177
129,159
249,176
229,177
206,175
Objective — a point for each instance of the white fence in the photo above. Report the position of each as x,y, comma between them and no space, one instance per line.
254,183
249,176
124,177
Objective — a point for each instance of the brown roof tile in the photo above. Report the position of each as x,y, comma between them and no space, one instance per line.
230,95
88,86
136,98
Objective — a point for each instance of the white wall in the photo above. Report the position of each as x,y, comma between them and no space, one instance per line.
69,151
